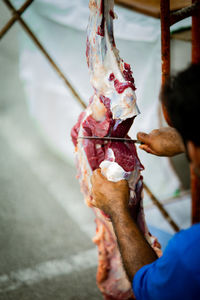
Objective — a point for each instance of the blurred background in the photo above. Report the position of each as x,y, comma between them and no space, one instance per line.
46,250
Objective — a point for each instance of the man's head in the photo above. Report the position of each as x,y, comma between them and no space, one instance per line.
181,98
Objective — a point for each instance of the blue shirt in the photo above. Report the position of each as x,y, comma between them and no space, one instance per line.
176,274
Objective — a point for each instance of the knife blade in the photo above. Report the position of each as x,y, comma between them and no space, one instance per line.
109,138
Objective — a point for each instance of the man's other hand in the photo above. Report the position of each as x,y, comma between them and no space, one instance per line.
165,141
107,195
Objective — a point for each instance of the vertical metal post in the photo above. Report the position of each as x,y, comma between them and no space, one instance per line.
165,38
195,181
165,45
195,193
196,34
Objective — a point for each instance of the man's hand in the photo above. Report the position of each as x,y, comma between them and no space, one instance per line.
109,196
165,141
112,198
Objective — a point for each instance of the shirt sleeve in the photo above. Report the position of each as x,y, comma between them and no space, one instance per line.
158,280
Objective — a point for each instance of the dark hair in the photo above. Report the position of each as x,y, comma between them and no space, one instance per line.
181,98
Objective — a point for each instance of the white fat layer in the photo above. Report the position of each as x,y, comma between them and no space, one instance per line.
98,146
104,62
113,171
110,155
83,164
98,109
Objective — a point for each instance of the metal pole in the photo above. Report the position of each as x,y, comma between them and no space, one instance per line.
44,51
14,18
165,46
161,209
196,33
165,38
195,181
183,13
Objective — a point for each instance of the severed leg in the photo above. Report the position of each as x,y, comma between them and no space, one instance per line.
111,112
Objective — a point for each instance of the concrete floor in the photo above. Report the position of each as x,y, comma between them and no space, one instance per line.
45,239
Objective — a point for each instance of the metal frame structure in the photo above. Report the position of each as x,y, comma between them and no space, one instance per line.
167,19
17,17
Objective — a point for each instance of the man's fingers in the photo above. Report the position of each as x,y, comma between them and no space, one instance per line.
93,202
97,176
92,179
92,198
143,137
147,149
94,175
96,172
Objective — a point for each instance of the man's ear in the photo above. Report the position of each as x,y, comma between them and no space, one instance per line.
194,155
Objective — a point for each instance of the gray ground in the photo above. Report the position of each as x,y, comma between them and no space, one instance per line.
45,238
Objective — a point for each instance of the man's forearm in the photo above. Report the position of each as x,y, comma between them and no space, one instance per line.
134,249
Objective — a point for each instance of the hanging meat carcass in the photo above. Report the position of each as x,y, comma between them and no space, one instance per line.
111,112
